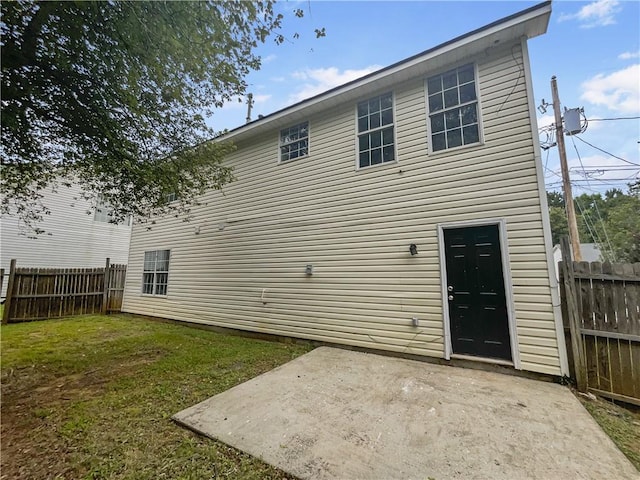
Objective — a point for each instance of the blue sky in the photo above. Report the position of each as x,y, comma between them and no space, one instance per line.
593,48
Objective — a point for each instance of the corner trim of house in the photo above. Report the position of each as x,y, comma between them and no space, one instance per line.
546,223
508,288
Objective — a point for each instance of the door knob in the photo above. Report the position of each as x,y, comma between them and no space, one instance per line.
450,297
450,288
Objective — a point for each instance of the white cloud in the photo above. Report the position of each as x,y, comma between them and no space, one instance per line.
261,98
268,58
629,55
595,14
318,80
598,167
546,120
618,91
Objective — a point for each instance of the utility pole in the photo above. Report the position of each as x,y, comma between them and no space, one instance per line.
249,106
566,183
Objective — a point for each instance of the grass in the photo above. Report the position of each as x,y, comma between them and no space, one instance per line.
621,424
91,397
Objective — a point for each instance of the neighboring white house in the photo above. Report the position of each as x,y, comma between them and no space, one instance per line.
404,211
76,235
590,253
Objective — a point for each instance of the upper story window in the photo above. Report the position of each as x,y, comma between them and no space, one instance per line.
155,275
170,197
294,142
104,213
453,108
375,131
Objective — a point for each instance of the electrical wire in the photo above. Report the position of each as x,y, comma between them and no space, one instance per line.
520,75
595,203
546,161
611,119
604,151
585,218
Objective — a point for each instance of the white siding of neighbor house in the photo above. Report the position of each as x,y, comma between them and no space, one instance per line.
72,238
355,228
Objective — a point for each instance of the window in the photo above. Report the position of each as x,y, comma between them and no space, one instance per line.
156,272
104,213
453,108
294,142
375,131
170,197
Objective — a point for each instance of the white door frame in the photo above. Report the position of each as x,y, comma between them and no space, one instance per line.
506,273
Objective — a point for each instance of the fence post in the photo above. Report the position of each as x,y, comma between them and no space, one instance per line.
1,280
105,294
579,362
7,302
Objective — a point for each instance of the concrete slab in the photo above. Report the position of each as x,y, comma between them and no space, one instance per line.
341,414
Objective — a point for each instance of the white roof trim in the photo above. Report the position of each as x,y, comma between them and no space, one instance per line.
530,23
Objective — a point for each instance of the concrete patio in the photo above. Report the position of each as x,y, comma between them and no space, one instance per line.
339,414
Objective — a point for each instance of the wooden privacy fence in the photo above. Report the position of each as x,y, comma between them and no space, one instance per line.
601,313
42,293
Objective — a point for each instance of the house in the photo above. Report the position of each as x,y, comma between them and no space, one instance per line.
404,211
75,235
590,253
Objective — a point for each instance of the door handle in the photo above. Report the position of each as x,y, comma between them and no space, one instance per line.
450,288
450,297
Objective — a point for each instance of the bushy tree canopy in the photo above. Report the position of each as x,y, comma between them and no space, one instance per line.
611,220
114,94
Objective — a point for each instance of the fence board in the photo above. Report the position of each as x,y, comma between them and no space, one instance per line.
608,300
40,293
633,300
598,298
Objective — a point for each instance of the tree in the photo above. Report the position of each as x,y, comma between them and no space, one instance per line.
611,220
114,95
555,199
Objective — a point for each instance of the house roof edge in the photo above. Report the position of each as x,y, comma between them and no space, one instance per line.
538,10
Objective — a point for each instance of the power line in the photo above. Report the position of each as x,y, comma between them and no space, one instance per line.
595,203
604,151
611,119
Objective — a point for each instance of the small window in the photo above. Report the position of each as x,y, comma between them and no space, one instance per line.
155,274
453,109
294,142
104,213
170,197
375,131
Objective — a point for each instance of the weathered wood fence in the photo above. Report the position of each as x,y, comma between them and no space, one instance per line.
602,301
42,293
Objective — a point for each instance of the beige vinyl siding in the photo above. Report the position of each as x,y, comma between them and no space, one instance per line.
355,227
72,237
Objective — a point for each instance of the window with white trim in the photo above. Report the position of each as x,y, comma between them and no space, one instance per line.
453,108
155,274
294,142
375,131
104,213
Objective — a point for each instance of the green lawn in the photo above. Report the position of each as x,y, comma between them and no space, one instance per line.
621,424
92,397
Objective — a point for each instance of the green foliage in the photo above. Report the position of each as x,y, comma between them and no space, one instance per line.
612,221
559,226
115,94
555,200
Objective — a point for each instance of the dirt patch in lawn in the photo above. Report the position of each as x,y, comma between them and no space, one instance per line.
34,403
92,397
